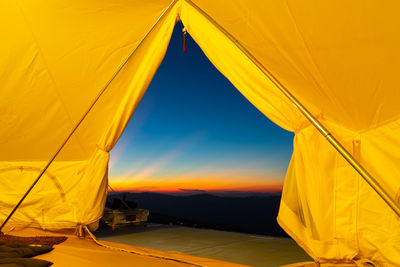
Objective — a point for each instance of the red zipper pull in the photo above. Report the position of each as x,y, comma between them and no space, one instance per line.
184,39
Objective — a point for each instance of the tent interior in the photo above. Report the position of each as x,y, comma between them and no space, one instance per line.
74,72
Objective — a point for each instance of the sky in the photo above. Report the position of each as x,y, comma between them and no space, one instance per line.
193,132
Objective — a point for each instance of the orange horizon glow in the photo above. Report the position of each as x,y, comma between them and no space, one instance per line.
158,176
266,190
221,182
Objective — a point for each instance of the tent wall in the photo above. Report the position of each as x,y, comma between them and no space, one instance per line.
340,62
340,59
56,74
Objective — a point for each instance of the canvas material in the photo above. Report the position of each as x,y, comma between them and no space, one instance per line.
58,72
339,59
326,206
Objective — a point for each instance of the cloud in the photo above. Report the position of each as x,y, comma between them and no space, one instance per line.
135,124
154,167
192,190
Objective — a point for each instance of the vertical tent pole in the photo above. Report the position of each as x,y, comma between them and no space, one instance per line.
85,115
321,128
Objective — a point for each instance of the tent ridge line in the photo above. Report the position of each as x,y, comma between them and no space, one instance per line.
393,204
86,113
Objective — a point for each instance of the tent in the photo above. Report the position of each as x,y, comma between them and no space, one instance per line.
82,67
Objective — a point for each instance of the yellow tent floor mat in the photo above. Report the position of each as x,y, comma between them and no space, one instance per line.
241,248
84,252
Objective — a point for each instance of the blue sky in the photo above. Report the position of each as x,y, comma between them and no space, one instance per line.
194,131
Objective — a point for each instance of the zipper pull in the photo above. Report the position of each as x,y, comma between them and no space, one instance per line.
184,39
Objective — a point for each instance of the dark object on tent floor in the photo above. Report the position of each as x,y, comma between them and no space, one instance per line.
18,255
124,218
37,240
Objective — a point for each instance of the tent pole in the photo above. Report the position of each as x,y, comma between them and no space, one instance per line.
85,115
320,127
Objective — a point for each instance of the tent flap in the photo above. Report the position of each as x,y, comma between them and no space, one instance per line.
334,59
66,76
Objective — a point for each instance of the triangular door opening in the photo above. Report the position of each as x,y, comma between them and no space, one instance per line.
196,153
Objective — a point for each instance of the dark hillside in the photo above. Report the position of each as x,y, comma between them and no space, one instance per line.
256,215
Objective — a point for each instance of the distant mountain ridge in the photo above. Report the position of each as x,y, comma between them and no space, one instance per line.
252,214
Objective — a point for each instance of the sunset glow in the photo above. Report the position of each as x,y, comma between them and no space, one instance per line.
223,182
193,132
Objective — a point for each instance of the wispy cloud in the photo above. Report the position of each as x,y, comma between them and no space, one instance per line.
148,171
192,190
137,121
212,176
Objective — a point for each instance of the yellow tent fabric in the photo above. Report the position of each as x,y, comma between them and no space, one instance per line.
49,78
340,59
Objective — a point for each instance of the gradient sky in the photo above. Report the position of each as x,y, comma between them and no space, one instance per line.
194,132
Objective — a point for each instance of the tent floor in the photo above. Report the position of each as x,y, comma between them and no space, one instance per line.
201,247
84,252
253,250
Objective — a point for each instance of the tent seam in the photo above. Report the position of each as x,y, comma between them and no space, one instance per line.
382,124
50,74
311,58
